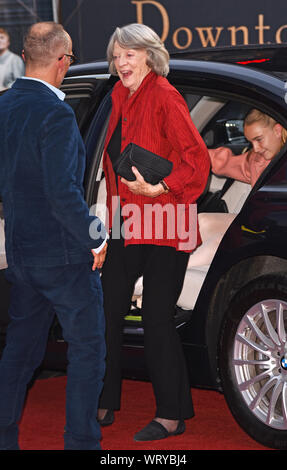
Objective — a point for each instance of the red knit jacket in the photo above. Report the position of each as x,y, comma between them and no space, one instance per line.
156,117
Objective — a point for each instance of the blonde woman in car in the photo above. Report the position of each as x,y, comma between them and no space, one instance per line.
267,138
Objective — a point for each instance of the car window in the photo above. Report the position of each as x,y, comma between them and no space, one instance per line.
74,103
220,122
191,100
226,128
84,95
79,105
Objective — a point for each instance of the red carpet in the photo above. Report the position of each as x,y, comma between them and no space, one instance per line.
213,427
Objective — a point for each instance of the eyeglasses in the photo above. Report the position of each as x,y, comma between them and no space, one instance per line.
72,58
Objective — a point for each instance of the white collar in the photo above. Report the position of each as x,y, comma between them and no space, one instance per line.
58,92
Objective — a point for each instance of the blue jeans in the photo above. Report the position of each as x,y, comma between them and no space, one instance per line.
74,292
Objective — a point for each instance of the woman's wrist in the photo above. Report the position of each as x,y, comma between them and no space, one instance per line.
164,185
158,189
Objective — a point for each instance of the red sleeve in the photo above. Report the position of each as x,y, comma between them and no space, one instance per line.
185,139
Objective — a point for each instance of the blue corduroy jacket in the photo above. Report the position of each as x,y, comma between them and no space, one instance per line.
43,158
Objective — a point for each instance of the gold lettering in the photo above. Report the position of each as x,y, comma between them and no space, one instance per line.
261,28
208,35
209,38
175,38
162,10
278,33
234,30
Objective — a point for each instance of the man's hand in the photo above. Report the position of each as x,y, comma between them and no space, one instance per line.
99,258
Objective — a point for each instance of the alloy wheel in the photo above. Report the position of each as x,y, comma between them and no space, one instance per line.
260,361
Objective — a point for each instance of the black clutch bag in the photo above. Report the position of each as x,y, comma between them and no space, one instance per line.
152,167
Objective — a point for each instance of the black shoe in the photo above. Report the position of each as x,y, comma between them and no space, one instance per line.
155,431
107,419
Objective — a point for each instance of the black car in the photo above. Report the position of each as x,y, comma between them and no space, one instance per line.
231,315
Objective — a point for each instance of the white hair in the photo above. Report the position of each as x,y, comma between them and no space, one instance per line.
140,36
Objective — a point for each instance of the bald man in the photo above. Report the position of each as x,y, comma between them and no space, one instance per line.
52,260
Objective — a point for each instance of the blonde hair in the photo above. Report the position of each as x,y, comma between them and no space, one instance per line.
140,36
267,121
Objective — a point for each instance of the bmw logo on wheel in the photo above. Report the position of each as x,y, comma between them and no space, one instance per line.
284,362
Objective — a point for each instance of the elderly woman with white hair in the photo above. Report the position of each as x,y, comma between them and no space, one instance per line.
149,112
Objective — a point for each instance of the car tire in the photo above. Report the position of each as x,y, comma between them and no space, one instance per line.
252,363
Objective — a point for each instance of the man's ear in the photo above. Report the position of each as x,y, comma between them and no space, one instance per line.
61,63
61,68
23,55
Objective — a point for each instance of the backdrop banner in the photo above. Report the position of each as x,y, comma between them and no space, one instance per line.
17,15
182,24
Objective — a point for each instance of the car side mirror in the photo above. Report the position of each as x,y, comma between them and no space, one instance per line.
234,129
227,133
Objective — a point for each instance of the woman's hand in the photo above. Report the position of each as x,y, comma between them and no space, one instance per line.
141,187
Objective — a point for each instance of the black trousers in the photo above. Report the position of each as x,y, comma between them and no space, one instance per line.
163,269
